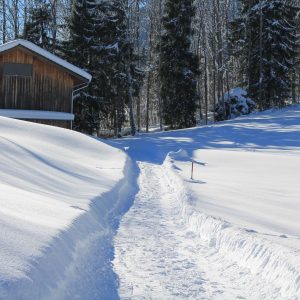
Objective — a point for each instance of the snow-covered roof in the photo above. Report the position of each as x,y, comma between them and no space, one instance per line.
47,55
36,115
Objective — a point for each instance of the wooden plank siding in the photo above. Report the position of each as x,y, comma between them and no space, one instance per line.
56,123
50,87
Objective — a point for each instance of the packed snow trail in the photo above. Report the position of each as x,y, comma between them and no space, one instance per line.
158,257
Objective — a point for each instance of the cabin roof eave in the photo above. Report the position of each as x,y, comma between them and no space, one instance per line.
75,71
36,115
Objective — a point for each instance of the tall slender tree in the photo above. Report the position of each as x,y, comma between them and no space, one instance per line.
78,50
113,52
37,28
278,53
179,66
99,42
267,45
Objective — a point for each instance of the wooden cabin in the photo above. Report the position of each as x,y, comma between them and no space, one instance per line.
38,86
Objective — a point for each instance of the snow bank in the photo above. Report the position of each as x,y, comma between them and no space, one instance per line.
57,189
276,263
243,204
255,189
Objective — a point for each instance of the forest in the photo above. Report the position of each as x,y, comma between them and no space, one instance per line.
166,64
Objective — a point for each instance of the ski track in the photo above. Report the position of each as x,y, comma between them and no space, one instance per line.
157,257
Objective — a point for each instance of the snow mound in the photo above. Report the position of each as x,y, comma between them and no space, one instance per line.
180,155
239,104
57,188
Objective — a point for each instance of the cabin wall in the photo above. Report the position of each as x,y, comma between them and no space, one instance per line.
50,87
56,123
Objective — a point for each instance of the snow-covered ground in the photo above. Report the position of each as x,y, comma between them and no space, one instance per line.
59,193
233,232
253,189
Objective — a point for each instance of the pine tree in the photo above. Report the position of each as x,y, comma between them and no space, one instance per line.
266,43
179,65
78,50
130,77
279,51
99,44
117,75
37,28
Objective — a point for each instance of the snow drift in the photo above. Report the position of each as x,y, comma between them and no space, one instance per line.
57,189
277,264
241,210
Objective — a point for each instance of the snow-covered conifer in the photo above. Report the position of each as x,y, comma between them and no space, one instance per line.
37,28
78,50
179,65
100,44
265,39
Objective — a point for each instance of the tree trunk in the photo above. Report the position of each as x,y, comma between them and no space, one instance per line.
4,21
130,101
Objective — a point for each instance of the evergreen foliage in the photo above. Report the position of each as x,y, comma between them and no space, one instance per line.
179,65
77,50
265,39
99,44
234,43
234,104
37,28
115,72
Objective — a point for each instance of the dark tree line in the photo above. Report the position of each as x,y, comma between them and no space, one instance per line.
179,66
165,62
265,35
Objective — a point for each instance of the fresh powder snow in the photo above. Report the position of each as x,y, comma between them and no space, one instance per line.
230,232
83,218
59,191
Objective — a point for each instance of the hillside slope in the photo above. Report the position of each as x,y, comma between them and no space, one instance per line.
57,188
233,231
